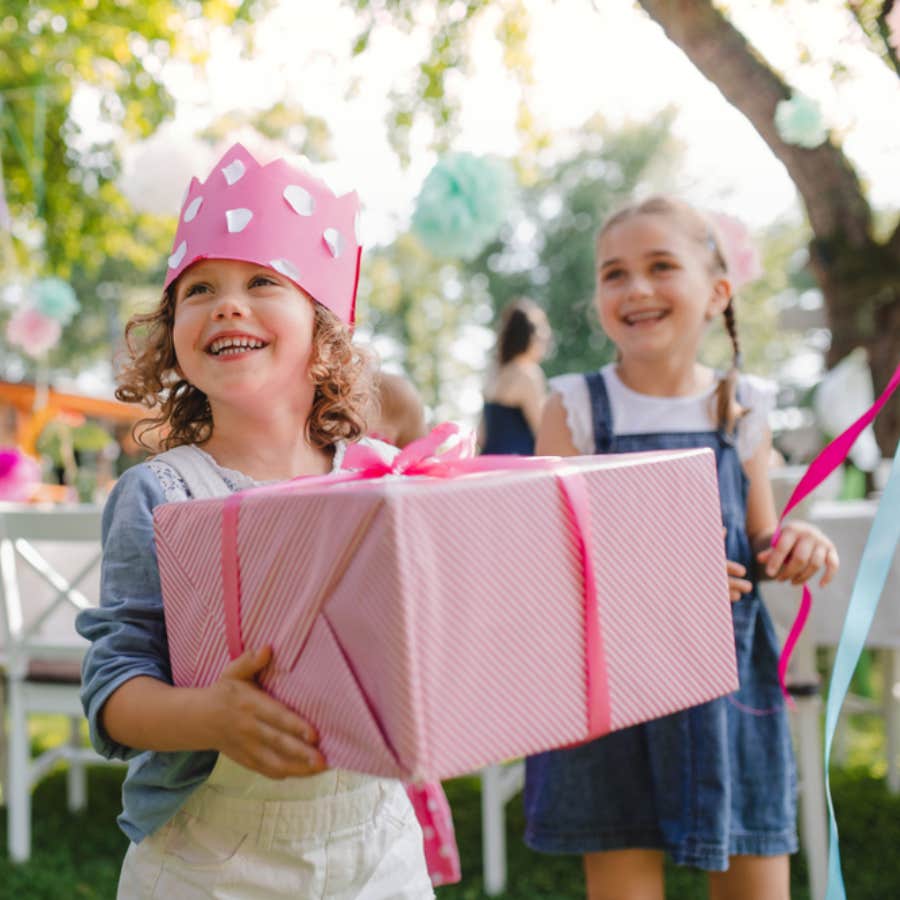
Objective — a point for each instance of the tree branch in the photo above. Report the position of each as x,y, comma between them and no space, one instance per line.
837,208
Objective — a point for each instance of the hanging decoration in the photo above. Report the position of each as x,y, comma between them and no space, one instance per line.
156,170
739,249
32,331
464,201
56,299
892,20
799,121
19,475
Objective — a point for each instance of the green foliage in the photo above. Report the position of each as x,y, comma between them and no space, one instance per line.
448,24
69,218
79,855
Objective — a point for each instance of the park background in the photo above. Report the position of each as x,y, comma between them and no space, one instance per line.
108,106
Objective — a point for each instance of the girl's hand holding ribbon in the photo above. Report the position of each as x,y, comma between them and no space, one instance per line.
254,729
799,552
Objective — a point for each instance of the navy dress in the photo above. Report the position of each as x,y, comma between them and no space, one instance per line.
704,784
506,430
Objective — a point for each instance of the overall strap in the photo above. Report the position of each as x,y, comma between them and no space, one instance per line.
601,411
201,478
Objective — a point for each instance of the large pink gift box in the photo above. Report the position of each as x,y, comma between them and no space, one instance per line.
431,625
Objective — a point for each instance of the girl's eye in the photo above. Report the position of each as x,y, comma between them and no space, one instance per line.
261,281
198,288
662,266
612,274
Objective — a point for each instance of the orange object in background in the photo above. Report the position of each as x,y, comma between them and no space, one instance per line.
30,422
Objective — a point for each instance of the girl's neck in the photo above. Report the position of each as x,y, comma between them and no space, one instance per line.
272,451
665,378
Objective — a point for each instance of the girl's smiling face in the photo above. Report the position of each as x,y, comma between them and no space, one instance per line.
242,333
656,288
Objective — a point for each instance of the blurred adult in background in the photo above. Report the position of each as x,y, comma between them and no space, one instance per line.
515,387
400,414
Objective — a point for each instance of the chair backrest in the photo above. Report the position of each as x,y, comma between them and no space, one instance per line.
49,570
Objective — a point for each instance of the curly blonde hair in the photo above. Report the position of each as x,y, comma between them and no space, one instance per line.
340,371
704,233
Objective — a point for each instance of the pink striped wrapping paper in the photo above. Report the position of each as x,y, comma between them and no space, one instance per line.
431,626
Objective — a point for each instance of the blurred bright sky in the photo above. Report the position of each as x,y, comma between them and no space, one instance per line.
604,57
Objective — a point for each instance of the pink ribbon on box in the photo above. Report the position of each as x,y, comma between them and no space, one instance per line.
431,456
819,469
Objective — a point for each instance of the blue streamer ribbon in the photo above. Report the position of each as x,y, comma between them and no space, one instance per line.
874,567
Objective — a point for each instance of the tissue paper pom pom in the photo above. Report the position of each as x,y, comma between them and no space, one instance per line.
799,121
56,299
892,20
18,474
463,202
32,331
738,248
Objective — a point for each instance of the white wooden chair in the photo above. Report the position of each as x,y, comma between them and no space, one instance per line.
49,569
499,784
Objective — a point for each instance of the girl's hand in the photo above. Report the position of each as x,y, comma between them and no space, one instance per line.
256,730
800,552
737,584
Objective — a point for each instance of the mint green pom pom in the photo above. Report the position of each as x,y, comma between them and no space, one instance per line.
56,299
463,202
799,121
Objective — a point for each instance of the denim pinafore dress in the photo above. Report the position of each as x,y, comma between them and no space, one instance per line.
711,782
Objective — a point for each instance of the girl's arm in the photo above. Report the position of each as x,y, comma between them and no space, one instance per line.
802,549
127,693
553,435
533,396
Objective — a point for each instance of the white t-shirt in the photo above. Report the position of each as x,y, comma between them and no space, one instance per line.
635,413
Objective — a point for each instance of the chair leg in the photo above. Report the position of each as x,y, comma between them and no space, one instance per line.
892,717
813,812
493,830
4,745
76,781
19,778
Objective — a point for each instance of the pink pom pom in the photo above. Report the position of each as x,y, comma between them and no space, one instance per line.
738,248
19,474
892,20
32,331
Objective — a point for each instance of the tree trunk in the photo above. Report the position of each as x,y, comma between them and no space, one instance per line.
859,278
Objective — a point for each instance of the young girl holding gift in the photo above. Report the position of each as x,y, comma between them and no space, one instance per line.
714,786
249,361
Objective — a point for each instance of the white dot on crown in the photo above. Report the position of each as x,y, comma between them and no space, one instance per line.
176,258
237,219
335,241
191,212
299,199
286,267
234,171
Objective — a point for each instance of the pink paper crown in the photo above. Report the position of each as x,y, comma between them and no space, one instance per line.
277,216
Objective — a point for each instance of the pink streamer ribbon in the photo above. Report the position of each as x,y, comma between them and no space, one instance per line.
819,469
433,457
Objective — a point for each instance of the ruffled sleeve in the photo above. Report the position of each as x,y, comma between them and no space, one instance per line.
758,396
573,392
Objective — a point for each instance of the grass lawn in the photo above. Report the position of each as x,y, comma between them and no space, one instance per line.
78,856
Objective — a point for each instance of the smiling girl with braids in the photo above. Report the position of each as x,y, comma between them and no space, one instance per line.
713,786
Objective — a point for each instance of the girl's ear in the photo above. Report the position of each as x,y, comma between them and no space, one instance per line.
719,298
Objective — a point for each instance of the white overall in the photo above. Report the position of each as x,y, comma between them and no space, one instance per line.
333,836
